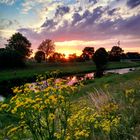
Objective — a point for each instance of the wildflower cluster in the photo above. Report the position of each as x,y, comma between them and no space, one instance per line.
43,111
109,117
88,121
46,110
130,95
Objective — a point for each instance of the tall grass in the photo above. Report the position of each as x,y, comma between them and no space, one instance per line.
107,108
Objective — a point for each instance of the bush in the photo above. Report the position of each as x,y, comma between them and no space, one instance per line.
47,113
100,59
10,59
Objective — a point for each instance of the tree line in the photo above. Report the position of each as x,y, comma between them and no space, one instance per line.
18,50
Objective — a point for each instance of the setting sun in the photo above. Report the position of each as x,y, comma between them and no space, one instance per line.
67,48
69,69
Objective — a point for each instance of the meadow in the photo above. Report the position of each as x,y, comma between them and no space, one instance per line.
105,108
32,69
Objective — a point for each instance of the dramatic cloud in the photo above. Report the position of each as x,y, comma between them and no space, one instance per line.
133,3
49,24
112,11
81,20
97,24
61,10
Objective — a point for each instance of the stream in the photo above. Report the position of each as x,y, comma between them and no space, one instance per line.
80,77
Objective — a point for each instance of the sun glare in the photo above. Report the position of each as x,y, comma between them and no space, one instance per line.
68,52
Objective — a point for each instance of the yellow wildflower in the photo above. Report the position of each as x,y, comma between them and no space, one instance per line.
51,116
4,106
14,110
129,92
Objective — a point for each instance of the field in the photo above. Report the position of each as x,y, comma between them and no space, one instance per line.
105,108
33,69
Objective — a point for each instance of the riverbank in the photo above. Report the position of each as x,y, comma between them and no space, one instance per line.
17,77
112,97
123,90
34,69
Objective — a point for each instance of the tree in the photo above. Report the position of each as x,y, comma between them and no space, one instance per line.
100,59
89,51
133,55
20,44
10,59
39,56
72,57
48,47
56,57
115,53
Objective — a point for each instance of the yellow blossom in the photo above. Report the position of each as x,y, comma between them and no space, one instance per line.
51,116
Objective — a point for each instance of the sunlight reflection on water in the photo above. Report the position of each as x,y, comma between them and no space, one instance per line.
74,79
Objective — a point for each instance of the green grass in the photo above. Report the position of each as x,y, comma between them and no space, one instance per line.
115,86
116,82
67,68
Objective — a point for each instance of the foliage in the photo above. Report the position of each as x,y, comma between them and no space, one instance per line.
100,58
125,91
48,113
10,59
113,115
87,53
19,44
57,57
72,57
115,53
47,46
39,56
41,111
133,55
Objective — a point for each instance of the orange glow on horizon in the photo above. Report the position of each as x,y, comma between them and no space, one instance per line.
76,46
63,51
68,52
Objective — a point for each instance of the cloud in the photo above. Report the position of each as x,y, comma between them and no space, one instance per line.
49,24
7,2
133,3
112,11
45,5
76,18
4,35
130,26
97,24
61,10
94,20
7,23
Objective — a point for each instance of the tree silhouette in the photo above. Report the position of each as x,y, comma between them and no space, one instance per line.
39,56
72,57
20,44
100,59
89,51
48,47
10,59
56,57
115,53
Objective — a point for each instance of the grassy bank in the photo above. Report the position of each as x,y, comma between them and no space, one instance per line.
33,69
105,108
123,90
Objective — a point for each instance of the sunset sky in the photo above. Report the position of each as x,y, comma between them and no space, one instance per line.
73,24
